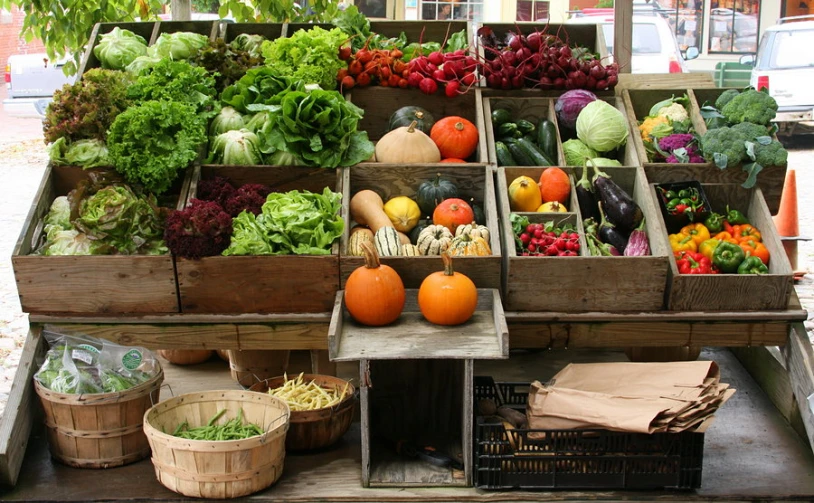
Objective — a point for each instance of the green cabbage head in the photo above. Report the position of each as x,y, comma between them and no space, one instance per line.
576,152
178,45
602,126
119,48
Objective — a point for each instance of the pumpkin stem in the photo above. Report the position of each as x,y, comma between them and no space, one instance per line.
459,126
419,114
411,127
447,258
371,257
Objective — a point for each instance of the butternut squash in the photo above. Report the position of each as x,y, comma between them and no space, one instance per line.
367,208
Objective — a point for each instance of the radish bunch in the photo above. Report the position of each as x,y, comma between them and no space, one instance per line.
455,72
543,60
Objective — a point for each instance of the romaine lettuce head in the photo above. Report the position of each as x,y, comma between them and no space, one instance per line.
235,147
58,217
249,43
119,48
228,119
178,45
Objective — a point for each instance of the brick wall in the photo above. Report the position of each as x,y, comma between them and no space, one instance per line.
10,40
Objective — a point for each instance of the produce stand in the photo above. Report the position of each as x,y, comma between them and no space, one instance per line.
440,374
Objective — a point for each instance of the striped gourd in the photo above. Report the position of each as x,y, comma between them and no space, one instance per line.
387,242
474,230
358,236
467,246
434,240
410,251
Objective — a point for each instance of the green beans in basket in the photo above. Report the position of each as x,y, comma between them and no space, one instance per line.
234,429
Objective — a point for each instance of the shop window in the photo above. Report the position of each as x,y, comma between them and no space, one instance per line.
532,10
465,10
372,8
686,18
734,26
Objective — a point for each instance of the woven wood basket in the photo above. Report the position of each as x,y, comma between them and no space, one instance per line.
99,430
315,429
218,469
252,366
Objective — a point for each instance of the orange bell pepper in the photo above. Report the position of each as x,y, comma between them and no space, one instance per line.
756,249
697,231
745,232
725,236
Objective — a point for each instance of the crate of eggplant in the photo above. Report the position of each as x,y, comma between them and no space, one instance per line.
580,239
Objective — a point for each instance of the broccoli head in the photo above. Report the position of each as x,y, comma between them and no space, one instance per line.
772,154
725,98
750,106
723,141
749,131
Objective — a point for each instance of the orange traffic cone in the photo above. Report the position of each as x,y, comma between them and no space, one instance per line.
786,220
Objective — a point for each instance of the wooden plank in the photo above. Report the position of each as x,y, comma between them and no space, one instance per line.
413,337
694,80
623,35
800,360
21,410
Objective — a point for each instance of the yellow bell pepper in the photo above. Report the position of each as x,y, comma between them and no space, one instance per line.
708,246
682,242
697,231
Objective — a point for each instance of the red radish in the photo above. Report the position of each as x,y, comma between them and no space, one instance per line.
345,52
439,75
414,80
468,79
347,82
428,86
436,58
452,88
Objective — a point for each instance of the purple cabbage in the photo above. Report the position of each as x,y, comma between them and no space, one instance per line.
570,104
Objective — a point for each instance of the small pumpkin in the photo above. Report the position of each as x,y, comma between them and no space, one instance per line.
388,242
186,356
410,251
524,194
434,240
469,246
475,230
404,116
455,137
453,212
358,235
555,185
453,160
374,292
446,297
432,192
407,145
422,224
552,207
403,212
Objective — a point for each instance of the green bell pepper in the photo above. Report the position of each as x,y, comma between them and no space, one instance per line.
752,265
727,257
714,222
735,217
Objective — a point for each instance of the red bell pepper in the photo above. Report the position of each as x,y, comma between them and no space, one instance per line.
693,263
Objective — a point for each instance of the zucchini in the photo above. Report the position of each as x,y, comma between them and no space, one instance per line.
508,130
532,152
525,126
504,157
519,153
500,116
547,138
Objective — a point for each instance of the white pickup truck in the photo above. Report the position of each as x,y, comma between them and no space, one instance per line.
31,80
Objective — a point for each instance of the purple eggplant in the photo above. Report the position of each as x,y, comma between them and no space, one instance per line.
608,233
622,211
586,197
637,244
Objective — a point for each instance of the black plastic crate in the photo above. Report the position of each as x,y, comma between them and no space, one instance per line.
675,221
577,459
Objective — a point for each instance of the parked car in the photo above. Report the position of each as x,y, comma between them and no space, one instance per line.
785,67
31,80
654,48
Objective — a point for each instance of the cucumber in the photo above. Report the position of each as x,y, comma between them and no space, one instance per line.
519,153
508,130
504,157
533,152
525,126
500,116
547,138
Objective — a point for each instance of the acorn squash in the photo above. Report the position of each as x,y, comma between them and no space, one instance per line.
431,192
404,116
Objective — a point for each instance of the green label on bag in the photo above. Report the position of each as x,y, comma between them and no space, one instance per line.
132,359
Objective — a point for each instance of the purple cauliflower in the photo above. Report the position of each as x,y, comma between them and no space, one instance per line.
675,141
693,157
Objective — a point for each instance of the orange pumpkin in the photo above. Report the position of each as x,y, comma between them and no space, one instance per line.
455,137
374,292
555,185
454,160
453,212
447,297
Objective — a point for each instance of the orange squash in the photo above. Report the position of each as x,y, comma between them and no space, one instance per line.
455,137
374,292
555,185
453,160
453,212
447,297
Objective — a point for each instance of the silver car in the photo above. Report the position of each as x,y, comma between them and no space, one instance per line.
31,80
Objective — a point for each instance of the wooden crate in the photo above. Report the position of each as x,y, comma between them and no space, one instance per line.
209,28
262,283
733,292
637,103
270,31
472,181
379,103
90,61
91,284
531,109
584,283
484,336
422,403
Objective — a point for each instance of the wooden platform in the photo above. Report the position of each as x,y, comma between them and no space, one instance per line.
751,452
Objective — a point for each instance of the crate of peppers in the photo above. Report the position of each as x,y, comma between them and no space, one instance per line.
726,252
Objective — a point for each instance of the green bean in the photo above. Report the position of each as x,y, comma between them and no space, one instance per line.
234,429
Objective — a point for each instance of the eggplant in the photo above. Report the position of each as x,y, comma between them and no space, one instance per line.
637,245
586,197
608,233
599,249
621,210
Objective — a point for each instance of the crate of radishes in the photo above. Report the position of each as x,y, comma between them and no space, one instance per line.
561,253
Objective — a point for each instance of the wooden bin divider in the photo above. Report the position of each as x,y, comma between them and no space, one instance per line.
209,28
473,181
583,283
262,283
89,284
733,292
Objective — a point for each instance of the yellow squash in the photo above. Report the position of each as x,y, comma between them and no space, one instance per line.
524,194
403,212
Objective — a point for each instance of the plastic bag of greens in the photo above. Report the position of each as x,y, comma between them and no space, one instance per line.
77,363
